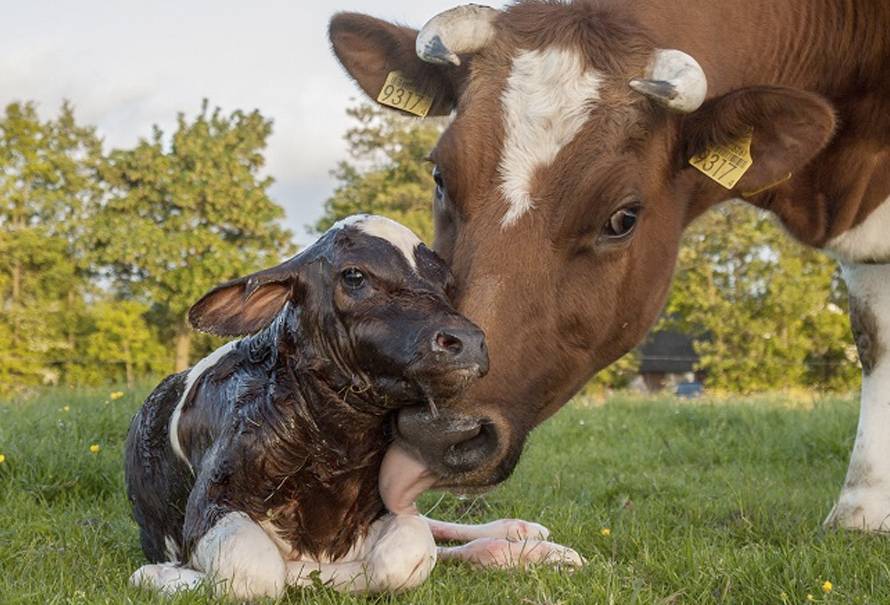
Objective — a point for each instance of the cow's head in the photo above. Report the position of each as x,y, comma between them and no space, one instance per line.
563,186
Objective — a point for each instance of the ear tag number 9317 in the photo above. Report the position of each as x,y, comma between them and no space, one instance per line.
401,93
725,164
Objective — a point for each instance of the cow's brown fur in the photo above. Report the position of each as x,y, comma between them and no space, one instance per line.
812,77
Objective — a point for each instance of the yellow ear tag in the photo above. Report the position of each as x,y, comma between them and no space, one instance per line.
725,164
401,93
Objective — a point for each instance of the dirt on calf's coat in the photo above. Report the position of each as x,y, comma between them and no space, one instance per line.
288,426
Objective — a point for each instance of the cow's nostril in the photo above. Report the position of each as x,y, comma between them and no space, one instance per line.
449,343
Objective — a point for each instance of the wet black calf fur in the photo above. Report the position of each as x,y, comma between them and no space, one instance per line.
289,424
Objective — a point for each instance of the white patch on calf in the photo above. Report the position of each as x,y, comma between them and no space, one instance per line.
546,103
193,376
868,241
240,558
864,502
395,233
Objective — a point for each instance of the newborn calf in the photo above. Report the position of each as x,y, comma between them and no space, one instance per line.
260,465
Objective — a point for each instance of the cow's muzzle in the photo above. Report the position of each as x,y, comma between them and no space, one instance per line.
447,443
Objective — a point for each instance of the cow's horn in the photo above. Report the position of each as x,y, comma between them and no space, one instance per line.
675,80
464,29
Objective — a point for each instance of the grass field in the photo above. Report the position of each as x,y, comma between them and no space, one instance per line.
706,502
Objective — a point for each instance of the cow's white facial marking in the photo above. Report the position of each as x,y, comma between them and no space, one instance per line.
404,240
864,502
867,242
546,103
193,376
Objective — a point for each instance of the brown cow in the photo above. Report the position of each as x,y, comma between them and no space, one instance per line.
564,185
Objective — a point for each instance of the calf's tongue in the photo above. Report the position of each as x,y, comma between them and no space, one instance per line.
402,479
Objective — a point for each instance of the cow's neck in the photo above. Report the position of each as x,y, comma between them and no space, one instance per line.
837,48
823,46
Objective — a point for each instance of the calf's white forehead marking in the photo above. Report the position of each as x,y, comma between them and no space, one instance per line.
868,241
385,228
193,375
546,103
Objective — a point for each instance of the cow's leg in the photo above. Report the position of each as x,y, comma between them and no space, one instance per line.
864,502
399,553
240,559
502,553
514,530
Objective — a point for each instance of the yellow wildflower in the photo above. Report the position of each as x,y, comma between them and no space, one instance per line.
116,395
827,586
2,458
95,448
66,408
606,532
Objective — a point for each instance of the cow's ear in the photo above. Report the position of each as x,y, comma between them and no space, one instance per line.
788,127
247,304
371,49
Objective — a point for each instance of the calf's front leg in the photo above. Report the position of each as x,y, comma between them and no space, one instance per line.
864,502
398,554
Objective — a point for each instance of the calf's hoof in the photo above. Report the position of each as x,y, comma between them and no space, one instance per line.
167,578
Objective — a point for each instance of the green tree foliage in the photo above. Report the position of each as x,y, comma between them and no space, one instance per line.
48,186
768,312
183,217
388,173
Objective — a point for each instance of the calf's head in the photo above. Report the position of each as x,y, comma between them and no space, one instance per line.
563,186
365,307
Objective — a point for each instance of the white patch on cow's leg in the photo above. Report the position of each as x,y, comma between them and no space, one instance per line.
398,554
499,553
192,377
240,559
867,242
546,103
167,578
864,502
514,530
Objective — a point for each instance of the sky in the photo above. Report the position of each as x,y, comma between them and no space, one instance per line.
126,65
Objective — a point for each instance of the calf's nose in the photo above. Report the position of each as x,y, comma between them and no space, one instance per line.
463,347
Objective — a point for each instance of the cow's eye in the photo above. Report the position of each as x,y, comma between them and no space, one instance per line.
621,223
353,278
440,183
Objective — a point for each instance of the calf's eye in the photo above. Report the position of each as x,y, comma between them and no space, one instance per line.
353,278
621,223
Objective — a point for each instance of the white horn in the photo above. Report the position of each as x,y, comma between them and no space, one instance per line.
674,80
464,29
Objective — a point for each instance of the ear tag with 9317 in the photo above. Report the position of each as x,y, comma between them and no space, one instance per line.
401,93
725,164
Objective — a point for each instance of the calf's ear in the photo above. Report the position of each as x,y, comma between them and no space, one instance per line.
247,304
370,49
788,127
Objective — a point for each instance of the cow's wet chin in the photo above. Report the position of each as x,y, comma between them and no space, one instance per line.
403,478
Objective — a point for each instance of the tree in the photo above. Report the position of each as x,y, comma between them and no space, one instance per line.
181,218
768,312
122,342
48,186
389,173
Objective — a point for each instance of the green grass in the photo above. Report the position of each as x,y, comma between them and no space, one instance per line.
707,502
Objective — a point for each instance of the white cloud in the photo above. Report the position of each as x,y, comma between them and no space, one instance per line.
127,65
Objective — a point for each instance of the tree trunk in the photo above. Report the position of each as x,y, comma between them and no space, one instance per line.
183,341
16,280
128,357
